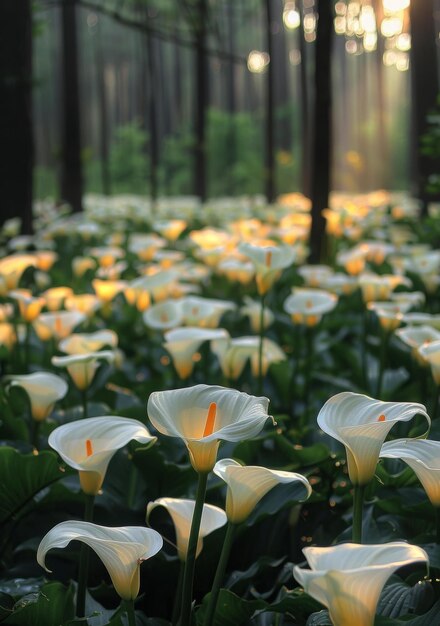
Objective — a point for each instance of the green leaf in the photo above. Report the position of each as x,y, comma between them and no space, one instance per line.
52,606
22,476
231,610
238,580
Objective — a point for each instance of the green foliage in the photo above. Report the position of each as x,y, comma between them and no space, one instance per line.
430,147
128,161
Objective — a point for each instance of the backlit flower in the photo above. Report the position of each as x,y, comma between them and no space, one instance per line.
362,424
269,262
82,367
122,550
348,578
307,306
205,414
43,390
181,512
183,343
57,325
248,484
88,445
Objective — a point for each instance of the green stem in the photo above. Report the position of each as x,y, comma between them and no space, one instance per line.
307,372
220,573
27,340
188,575
260,348
178,596
84,562
364,346
35,433
132,487
84,403
434,411
437,525
384,340
129,609
358,505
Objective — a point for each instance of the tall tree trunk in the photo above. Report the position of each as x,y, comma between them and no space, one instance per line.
103,116
200,152
321,156
282,83
425,88
231,98
270,109
71,167
152,117
305,108
16,137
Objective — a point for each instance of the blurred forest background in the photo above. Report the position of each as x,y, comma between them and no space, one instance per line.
222,97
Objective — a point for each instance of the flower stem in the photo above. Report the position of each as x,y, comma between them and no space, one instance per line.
178,596
308,360
27,340
129,609
35,433
260,348
384,340
220,573
364,361
84,403
84,562
132,486
358,505
188,575
434,411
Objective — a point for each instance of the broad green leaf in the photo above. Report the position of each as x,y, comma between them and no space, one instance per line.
52,606
22,476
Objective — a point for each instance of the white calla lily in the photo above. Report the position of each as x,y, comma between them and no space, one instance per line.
252,310
82,367
43,390
57,325
205,414
417,336
348,578
122,550
431,353
88,445
247,484
84,343
423,457
307,306
269,262
164,315
182,343
362,424
181,512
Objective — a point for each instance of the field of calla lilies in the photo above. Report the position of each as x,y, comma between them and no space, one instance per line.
199,428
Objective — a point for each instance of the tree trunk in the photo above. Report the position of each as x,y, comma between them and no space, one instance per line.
201,102
305,108
71,168
230,98
321,155
269,171
152,118
425,88
103,117
16,137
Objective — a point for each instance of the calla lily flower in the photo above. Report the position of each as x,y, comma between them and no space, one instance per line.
315,275
205,414
252,309
205,312
181,512
8,336
55,297
234,353
170,229
361,424
43,390
86,303
348,579
29,306
82,367
307,306
431,353
57,325
423,457
390,314
183,343
269,262
417,336
379,287
122,550
248,484
89,444
84,343
234,270
13,266
107,290
426,319
164,316
81,264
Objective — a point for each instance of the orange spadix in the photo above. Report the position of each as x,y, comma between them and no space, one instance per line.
210,420
89,448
